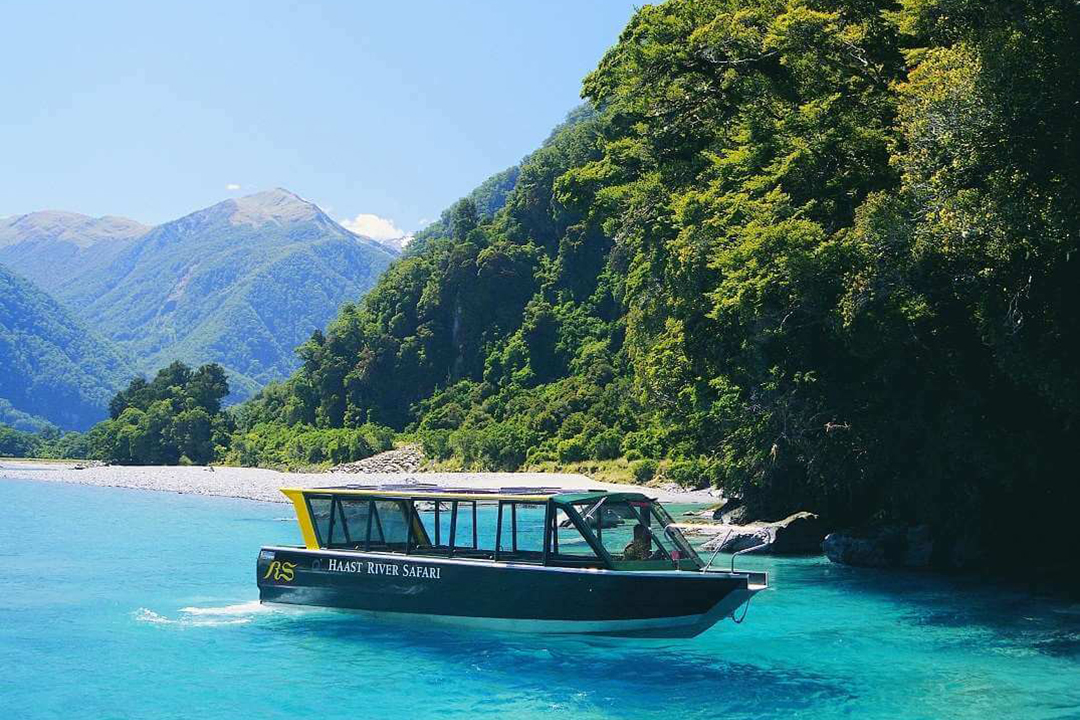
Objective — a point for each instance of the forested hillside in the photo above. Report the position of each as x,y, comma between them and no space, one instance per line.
490,196
53,368
820,253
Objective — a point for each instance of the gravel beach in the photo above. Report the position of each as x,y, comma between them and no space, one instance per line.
263,485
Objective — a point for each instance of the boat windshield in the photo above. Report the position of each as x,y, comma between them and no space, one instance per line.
637,534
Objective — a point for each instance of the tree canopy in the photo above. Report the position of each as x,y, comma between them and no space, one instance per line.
175,418
817,252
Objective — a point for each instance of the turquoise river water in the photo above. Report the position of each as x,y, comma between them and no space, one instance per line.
129,604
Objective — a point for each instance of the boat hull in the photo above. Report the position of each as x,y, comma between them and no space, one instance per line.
503,596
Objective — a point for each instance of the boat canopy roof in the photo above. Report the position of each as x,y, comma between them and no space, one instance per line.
418,491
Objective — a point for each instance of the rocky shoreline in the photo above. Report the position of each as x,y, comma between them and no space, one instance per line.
264,485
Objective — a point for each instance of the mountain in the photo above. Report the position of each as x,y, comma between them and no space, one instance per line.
53,248
397,244
52,367
241,283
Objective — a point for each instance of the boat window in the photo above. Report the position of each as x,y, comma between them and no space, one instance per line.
364,523
636,534
663,520
567,541
520,529
467,525
390,528
319,509
437,518
626,531
349,523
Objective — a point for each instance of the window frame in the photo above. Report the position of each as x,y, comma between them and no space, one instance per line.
552,557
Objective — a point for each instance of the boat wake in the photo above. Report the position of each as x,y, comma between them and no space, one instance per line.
252,607
239,614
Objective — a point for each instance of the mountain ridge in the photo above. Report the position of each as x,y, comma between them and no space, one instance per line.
81,230
241,282
52,248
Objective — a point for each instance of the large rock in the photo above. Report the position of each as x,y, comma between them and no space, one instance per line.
733,538
884,546
730,512
796,534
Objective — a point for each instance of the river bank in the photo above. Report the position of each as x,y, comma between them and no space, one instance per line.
264,485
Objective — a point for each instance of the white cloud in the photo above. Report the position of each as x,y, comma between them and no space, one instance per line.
373,226
232,186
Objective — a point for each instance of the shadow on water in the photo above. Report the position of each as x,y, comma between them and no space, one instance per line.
1003,614
652,671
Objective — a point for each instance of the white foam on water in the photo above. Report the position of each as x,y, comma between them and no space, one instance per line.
248,608
145,615
149,616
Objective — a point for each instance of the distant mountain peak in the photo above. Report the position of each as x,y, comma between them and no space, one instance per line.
397,244
58,225
273,206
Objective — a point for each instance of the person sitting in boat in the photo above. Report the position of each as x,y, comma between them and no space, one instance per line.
638,548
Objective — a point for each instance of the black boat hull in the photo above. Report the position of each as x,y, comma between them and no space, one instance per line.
506,596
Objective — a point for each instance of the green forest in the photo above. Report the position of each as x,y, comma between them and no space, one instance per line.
178,419
817,253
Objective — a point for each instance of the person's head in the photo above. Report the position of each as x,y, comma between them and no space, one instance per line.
641,535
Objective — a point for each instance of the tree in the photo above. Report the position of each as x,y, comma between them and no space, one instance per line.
177,416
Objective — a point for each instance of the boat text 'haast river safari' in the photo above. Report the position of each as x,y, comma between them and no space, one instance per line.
520,559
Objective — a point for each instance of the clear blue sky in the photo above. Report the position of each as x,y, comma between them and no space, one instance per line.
152,110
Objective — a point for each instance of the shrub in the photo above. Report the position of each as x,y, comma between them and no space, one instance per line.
572,426
644,470
503,446
436,444
605,445
645,442
688,474
465,443
379,437
572,450
16,443
279,445
539,455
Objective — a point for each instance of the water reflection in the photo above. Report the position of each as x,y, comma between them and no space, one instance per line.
653,674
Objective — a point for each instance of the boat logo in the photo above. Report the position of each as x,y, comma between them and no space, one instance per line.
284,571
